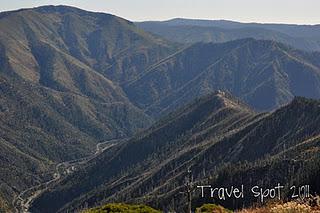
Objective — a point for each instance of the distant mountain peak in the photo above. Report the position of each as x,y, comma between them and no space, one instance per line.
63,9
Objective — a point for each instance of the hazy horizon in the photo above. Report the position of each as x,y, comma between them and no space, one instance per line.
247,11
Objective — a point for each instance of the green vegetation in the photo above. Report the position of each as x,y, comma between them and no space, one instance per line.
212,208
123,208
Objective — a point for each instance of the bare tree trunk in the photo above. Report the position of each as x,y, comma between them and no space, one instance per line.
189,190
189,201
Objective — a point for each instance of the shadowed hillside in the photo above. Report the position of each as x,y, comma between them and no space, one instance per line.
218,137
265,74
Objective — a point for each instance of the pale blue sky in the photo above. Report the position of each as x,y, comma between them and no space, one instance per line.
275,11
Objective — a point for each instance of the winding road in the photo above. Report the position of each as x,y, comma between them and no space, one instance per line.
23,201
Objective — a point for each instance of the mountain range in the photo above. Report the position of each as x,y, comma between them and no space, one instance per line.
304,37
70,79
265,74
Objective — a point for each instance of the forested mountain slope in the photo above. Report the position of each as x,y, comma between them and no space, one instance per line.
217,137
59,74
